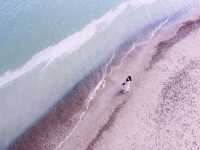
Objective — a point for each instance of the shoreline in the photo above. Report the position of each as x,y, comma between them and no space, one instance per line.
190,26
69,109
99,134
62,111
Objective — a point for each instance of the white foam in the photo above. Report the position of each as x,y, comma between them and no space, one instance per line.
45,98
70,44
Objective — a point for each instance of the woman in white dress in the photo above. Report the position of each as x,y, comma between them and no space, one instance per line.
126,85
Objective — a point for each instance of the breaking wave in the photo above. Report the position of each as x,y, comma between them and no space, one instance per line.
53,72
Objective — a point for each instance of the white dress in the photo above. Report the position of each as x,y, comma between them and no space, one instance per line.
126,87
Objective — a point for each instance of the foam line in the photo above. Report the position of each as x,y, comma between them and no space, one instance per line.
70,44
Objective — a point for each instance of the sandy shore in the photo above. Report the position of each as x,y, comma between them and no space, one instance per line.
161,112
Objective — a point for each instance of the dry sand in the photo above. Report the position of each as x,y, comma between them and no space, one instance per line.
161,112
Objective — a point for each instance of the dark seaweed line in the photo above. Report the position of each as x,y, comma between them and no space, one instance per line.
186,29
106,126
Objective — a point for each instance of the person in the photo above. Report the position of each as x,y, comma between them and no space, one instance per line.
126,85
129,79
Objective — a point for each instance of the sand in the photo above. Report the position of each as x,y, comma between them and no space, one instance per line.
162,111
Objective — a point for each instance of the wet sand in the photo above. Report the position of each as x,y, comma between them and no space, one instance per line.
153,115
161,112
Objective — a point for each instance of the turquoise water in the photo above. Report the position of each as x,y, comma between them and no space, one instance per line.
49,46
27,27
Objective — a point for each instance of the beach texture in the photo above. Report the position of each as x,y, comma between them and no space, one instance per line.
161,112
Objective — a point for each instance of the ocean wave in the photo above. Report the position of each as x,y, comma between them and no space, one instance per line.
70,44
87,48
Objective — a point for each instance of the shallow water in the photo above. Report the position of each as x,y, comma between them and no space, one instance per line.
29,91
27,27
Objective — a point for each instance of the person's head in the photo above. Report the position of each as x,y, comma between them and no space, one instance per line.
123,83
129,78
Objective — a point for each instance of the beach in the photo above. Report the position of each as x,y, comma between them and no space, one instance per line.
161,111
60,71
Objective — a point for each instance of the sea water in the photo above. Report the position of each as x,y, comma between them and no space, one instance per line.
27,27
47,47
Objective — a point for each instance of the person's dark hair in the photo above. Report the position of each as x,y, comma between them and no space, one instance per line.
129,78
